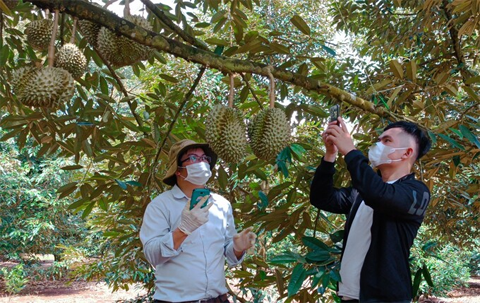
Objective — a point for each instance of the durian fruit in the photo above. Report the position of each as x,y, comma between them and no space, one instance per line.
225,132
89,31
43,87
71,59
122,51
269,133
39,33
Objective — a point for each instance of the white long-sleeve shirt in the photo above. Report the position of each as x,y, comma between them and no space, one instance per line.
196,270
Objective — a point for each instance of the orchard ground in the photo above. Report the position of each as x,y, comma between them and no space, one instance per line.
63,291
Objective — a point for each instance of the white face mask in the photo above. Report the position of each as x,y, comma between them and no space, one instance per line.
378,154
198,173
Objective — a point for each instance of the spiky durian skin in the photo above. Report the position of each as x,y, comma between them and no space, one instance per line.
39,33
71,59
45,87
122,51
89,31
225,132
269,133
20,78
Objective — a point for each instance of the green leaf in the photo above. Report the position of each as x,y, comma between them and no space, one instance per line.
470,137
122,184
222,178
317,256
300,24
263,200
88,210
416,282
103,86
4,52
287,257
168,78
298,150
330,51
427,276
72,167
315,244
451,141
296,280
134,183
337,236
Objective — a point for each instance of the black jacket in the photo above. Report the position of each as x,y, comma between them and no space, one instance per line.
398,211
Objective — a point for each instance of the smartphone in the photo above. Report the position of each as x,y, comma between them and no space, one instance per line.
197,195
334,112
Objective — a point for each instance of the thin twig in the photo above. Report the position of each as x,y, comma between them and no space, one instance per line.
188,95
272,87
62,27
74,29
51,47
122,88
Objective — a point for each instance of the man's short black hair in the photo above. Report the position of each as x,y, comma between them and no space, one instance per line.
420,135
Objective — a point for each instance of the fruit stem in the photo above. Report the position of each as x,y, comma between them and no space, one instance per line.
272,87
230,95
51,47
74,29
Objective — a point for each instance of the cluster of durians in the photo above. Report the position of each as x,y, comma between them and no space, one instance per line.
225,131
68,57
118,50
53,85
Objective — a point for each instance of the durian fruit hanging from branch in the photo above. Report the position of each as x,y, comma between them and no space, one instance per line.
120,50
39,33
71,58
225,130
89,30
44,86
269,131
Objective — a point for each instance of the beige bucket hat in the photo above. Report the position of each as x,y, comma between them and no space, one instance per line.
179,148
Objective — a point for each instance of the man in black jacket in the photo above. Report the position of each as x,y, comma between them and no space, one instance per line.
384,211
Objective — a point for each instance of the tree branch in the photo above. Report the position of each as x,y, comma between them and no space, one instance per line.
456,42
84,10
188,95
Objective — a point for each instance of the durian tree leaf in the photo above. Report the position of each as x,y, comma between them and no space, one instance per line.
168,78
222,178
396,69
314,244
469,135
4,54
72,167
298,150
299,275
451,141
263,203
88,209
300,24
285,258
122,184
